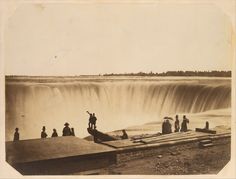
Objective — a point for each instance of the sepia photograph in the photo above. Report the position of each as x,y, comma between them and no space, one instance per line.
118,88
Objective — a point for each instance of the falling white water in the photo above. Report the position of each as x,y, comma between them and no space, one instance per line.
117,103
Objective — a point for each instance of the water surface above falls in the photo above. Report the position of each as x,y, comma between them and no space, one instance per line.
118,102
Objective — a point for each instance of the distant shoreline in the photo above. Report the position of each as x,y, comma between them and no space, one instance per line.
140,74
213,73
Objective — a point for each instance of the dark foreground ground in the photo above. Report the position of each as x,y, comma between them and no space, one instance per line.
177,160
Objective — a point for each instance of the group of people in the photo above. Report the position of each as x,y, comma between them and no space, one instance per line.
67,131
167,128
92,121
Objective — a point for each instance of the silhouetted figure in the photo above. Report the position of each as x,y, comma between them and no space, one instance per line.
90,120
168,127
94,119
43,133
184,127
54,134
16,135
72,132
66,130
177,123
125,135
164,127
207,125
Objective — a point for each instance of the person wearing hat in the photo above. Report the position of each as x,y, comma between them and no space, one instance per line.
66,130
16,135
43,133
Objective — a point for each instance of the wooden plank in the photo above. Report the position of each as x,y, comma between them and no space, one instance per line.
122,143
169,135
176,138
132,143
170,140
205,130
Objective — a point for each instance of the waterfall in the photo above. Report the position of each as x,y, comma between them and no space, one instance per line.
117,104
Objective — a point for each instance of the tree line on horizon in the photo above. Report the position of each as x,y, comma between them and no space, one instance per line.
213,73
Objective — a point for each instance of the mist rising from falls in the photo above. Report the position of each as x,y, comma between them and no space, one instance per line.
117,104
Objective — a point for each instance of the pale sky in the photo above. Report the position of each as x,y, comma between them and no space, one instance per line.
93,38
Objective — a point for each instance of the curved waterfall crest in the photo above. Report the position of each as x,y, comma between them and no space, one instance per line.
116,102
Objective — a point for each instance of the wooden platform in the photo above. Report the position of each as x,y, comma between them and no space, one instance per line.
173,138
67,155
59,155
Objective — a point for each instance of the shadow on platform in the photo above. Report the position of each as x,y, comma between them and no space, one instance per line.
57,156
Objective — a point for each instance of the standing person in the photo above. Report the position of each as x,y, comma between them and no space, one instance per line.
66,130
94,119
54,134
177,123
207,125
184,127
16,135
43,133
90,120
72,132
